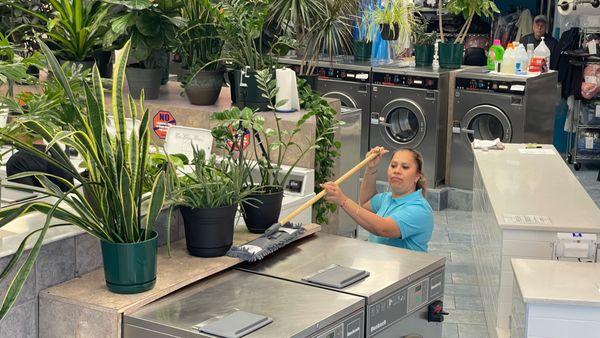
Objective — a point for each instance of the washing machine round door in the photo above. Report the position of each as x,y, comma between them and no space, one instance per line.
403,123
487,123
346,100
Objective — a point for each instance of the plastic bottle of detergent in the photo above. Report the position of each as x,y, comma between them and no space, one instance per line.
542,51
495,54
521,61
508,61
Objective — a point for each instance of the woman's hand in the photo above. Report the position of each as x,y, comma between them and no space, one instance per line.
334,193
375,162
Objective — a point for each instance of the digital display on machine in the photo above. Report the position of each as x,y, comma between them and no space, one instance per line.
405,81
490,86
329,73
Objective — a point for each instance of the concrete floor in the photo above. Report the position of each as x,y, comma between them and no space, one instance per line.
452,239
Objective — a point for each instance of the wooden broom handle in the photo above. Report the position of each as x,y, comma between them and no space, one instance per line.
323,192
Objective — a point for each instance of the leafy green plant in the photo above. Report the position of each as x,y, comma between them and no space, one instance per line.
365,23
13,67
75,28
152,26
243,25
159,162
108,202
420,35
400,15
199,43
327,148
212,184
468,9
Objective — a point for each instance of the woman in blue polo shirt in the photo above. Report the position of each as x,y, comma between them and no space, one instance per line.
401,217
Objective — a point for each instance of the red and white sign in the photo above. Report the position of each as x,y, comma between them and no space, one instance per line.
162,121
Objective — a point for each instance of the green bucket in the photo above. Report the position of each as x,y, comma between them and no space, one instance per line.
423,55
451,55
130,267
362,50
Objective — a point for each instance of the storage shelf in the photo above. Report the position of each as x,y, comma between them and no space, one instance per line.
588,157
588,126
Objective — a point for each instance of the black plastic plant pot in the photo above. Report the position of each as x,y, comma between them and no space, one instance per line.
245,91
262,210
146,79
311,80
130,267
204,88
387,33
208,232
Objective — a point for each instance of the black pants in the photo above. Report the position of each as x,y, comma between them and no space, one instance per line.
22,162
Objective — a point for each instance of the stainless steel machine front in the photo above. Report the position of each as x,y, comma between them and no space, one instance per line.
410,110
400,287
296,310
514,109
350,139
349,82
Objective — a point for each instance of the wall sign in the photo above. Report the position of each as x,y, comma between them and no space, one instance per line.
161,122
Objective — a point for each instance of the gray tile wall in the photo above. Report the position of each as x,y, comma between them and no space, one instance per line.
58,262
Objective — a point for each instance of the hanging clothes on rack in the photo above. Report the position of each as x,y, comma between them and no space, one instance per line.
569,76
524,25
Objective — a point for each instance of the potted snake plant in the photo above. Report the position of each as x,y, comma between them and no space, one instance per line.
107,200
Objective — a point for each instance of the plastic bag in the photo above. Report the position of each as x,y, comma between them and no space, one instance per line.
590,87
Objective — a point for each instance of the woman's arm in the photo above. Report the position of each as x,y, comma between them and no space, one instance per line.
368,187
373,223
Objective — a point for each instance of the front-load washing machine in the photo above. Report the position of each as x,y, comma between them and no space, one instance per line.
349,82
409,109
488,106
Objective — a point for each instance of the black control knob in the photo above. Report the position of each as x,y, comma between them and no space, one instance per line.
436,312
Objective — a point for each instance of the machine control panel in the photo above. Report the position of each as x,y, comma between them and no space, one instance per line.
494,86
404,302
411,81
351,327
329,73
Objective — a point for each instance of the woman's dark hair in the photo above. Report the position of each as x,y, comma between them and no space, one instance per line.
418,158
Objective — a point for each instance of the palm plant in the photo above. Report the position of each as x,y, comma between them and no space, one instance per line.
319,26
75,28
108,202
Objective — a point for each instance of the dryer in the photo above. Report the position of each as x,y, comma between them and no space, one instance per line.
409,109
349,82
514,109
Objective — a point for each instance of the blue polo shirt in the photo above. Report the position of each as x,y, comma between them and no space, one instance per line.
413,216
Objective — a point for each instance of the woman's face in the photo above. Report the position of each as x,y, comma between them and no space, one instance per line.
403,173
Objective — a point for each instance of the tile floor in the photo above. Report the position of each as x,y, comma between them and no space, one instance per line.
452,239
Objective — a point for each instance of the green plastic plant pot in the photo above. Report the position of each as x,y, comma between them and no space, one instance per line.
362,50
423,55
451,55
130,267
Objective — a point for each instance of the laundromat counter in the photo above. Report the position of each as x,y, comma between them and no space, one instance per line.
83,307
173,109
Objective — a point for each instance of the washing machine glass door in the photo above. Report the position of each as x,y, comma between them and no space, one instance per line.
487,123
346,100
404,123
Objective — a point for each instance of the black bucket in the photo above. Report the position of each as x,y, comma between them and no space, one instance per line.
263,211
208,232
